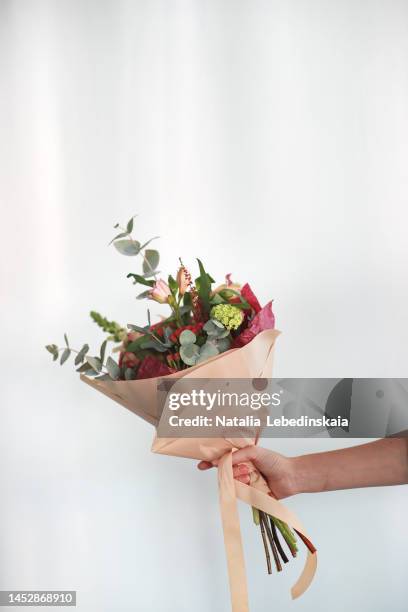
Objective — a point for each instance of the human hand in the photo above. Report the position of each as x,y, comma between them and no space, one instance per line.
277,469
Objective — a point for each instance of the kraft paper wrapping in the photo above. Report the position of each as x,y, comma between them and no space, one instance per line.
254,360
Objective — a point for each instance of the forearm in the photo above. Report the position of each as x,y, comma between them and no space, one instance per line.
379,463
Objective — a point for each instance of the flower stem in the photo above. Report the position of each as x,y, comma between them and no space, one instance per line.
264,521
265,543
287,535
306,542
277,541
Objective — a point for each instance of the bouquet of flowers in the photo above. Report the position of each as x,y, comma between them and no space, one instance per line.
208,332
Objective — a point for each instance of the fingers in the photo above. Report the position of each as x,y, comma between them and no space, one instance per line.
241,472
205,465
249,453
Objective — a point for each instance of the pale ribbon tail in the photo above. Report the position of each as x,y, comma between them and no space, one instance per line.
229,490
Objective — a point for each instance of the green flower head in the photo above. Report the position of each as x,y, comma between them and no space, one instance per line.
227,314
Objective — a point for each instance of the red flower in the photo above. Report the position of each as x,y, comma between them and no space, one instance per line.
152,367
157,328
194,328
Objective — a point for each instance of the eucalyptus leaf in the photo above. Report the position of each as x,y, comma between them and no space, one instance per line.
207,350
151,260
81,355
121,235
210,327
149,241
151,273
66,340
189,353
113,368
84,368
103,350
127,247
130,374
95,363
129,226
53,349
167,333
224,344
187,337
65,355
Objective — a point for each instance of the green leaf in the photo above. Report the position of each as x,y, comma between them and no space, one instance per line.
207,350
95,363
150,261
215,329
223,344
167,333
142,330
172,284
127,247
216,299
189,353
81,355
113,368
130,374
103,350
84,368
187,337
137,278
66,340
148,242
151,343
204,288
65,355
53,349
121,235
129,226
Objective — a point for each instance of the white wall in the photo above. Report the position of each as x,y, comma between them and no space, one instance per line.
268,138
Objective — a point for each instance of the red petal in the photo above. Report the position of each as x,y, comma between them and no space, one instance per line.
250,297
264,319
152,367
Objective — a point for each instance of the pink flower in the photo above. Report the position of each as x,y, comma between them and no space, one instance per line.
160,292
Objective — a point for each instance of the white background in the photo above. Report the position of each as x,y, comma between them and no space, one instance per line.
268,138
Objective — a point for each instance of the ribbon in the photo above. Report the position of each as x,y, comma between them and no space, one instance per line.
230,490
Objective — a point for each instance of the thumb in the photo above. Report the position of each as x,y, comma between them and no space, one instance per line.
249,453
